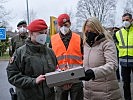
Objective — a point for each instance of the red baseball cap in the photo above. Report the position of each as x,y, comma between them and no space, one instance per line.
62,19
37,25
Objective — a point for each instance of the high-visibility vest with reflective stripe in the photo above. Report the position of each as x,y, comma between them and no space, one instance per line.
122,37
72,56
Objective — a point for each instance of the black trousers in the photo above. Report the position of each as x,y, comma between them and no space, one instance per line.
126,77
118,74
76,92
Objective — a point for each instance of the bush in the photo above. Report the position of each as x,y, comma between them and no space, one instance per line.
4,44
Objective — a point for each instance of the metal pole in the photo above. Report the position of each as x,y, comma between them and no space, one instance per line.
27,11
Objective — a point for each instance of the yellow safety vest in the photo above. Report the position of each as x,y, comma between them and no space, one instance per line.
125,39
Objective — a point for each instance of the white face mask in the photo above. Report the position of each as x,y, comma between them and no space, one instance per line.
126,24
64,30
41,38
22,30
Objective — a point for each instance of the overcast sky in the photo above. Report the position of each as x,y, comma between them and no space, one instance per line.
43,8
47,8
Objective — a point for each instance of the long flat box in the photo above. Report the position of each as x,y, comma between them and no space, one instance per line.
59,78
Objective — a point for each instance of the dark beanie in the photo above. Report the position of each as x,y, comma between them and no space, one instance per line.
21,23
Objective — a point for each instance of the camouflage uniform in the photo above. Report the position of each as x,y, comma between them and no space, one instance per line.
27,63
16,42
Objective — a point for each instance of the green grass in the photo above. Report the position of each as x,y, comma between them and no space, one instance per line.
5,56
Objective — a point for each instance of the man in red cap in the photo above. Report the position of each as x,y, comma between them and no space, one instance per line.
30,63
67,47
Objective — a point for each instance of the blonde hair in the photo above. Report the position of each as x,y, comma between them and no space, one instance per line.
96,26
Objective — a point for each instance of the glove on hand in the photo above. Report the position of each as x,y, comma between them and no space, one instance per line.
89,74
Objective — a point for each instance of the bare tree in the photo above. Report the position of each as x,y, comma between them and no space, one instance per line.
72,15
3,12
102,9
32,15
4,15
129,7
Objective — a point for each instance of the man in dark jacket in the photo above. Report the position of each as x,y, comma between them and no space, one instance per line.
29,64
18,40
125,46
115,29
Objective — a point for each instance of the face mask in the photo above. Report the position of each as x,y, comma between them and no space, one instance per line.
22,30
41,39
126,24
64,30
90,37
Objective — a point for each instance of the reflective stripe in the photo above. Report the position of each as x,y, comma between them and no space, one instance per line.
124,47
121,36
123,43
69,56
125,60
61,57
62,66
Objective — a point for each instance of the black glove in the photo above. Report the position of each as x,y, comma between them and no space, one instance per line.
89,74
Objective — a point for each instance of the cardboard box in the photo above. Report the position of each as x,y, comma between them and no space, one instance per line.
59,78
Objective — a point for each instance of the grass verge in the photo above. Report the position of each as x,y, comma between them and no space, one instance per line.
5,56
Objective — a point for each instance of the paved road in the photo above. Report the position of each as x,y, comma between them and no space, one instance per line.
4,85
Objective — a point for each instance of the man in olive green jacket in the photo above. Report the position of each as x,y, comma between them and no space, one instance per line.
18,40
29,64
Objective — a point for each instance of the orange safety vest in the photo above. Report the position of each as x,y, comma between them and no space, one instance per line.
67,58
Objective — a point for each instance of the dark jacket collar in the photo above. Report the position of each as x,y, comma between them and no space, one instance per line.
68,35
36,48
